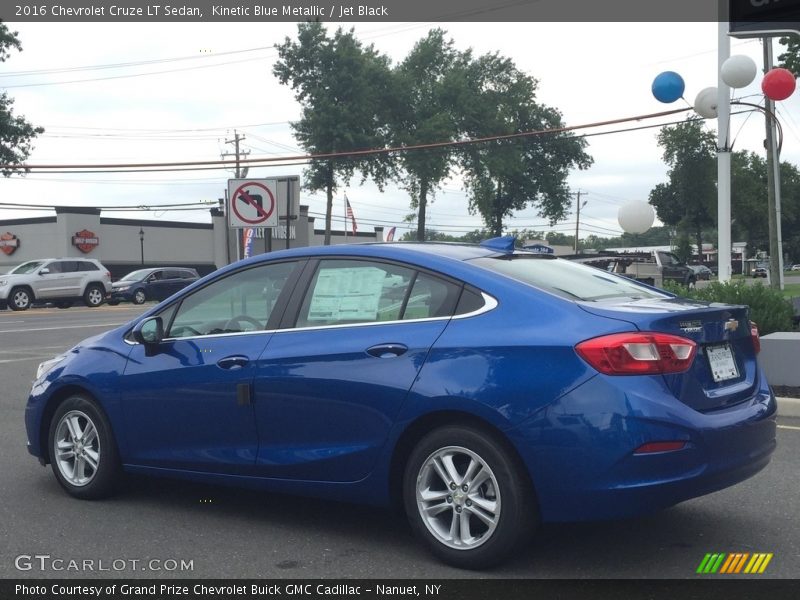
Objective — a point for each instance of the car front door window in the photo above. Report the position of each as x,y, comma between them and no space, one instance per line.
241,302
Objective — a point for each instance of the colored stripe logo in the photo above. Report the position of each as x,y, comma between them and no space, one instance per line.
734,563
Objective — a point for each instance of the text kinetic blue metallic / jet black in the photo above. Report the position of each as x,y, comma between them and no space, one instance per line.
485,390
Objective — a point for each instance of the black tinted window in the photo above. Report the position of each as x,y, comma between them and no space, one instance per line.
470,301
88,266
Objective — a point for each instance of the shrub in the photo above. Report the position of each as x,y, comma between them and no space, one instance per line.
768,308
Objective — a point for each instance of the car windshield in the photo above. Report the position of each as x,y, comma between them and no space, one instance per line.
567,279
136,275
28,267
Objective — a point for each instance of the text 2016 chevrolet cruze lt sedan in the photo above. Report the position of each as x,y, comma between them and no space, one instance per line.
482,389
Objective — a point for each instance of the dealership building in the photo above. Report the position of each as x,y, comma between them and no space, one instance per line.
123,245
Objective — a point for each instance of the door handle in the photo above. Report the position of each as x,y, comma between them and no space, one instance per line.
232,362
387,350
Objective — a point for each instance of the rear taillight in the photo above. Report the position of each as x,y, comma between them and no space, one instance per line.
755,337
638,353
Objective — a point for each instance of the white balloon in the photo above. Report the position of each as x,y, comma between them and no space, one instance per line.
636,216
705,103
738,71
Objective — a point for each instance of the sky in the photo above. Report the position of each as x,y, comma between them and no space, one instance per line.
186,88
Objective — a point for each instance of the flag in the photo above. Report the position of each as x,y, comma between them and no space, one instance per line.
349,214
390,234
249,234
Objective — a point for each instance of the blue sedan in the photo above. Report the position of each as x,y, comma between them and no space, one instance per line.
482,389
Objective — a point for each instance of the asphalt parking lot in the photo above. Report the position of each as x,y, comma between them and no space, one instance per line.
227,533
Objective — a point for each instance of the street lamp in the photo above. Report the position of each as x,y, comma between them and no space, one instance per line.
715,102
141,242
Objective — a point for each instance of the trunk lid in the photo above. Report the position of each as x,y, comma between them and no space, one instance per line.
724,371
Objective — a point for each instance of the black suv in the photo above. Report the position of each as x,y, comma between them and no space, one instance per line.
151,284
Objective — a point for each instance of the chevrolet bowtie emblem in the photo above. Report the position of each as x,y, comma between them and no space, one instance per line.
731,325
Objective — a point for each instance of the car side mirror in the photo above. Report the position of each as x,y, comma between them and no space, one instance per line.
44,271
149,332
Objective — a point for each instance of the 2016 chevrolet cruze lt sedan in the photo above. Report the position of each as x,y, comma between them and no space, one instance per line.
482,389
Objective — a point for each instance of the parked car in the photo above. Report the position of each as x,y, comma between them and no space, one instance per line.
759,272
151,284
795,268
61,281
483,389
701,272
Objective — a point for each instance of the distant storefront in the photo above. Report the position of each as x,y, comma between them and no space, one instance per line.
126,244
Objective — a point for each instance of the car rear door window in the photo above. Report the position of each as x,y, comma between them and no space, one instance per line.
344,292
351,291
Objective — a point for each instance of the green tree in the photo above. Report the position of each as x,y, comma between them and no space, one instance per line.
426,93
342,87
791,58
688,199
749,203
508,175
16,134
683,249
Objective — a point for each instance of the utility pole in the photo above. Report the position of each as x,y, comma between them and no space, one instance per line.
773,184
578,207
240,172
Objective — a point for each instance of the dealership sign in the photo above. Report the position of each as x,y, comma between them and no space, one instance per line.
9,243
85,241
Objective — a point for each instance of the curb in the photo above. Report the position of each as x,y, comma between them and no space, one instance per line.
788,407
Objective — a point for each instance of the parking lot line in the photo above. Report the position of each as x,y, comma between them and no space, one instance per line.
27,329
789,427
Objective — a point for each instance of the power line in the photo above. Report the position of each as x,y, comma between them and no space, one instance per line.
355,153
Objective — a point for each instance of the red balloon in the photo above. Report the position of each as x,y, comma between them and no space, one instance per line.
778,84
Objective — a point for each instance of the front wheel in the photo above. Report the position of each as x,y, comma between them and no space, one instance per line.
139,297
83,453
467,498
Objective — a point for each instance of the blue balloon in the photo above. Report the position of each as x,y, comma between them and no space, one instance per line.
668,87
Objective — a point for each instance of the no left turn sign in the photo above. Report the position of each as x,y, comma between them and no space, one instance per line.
252,203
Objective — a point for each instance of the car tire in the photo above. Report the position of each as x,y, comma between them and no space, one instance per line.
486,509
691,283
20,298
83,452
94,295
139,297
112,302
63,304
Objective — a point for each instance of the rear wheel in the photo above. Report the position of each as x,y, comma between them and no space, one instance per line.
20,299
467,498
83,452
94,295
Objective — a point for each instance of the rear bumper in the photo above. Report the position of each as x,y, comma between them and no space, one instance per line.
580,451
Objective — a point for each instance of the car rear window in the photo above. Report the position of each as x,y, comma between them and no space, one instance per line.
565,278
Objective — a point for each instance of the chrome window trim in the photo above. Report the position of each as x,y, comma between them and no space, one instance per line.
490,303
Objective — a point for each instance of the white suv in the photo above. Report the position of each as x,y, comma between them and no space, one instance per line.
57,280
